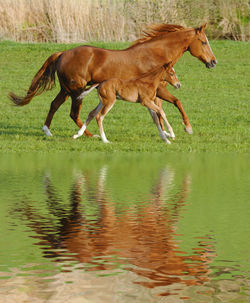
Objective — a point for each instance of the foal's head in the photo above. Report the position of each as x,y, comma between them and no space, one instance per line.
170,76
201,49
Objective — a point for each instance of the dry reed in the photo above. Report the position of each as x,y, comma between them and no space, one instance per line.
117,20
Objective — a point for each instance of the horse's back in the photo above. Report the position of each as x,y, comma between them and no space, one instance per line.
77,60
95,64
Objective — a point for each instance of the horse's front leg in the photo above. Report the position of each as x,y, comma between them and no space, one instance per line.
150,104
163,134
164,94
158,102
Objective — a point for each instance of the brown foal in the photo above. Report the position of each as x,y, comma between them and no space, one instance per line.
86,65
142,90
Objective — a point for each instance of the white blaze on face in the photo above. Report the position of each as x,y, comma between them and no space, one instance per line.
174,73
208,44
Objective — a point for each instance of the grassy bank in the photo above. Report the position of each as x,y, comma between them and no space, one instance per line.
117,20
216,102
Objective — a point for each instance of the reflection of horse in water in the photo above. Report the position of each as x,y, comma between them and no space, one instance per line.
144,236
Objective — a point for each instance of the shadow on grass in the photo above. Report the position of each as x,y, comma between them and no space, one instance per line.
15,130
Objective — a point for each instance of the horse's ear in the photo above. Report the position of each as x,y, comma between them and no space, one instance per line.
201,28
170,64
167,65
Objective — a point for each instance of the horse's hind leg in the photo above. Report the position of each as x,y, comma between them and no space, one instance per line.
56,103
91,115
75,114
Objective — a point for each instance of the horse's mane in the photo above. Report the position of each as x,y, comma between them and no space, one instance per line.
156,30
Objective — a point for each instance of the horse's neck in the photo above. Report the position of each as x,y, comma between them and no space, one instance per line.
166,48
177,43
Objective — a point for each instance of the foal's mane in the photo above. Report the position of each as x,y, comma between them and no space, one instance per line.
154,73
156,30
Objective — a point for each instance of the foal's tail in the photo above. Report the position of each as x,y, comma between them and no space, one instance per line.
43,80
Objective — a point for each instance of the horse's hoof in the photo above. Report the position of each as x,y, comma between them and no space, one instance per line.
96,136
75,136
46,130
189,130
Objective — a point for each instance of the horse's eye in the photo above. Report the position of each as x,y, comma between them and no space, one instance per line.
203,42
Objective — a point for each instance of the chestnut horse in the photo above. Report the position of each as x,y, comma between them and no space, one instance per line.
85,65
142,90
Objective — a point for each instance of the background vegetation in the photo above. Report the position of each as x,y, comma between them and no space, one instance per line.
117,20
216,102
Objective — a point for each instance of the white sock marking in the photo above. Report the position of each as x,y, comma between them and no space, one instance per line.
46,130
80,132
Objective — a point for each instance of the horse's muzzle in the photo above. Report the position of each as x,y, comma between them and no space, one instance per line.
211,64
177,85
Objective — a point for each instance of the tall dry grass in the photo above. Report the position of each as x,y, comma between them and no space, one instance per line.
117,20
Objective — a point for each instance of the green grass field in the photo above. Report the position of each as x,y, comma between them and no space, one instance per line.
216,102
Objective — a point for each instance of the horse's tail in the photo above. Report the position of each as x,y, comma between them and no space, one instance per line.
43,80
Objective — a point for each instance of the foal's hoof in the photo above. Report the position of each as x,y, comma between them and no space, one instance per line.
166,134
189,130
96,136
172,135
75,137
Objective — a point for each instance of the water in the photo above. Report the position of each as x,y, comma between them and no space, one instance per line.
150,228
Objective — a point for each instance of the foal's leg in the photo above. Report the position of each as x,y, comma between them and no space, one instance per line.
57,102
158,102
163,134
164,94
106,107
159,111
75,113
91,115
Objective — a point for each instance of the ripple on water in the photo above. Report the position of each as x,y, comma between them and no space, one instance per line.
96,232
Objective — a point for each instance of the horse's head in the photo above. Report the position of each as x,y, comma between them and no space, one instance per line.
201,49
170,76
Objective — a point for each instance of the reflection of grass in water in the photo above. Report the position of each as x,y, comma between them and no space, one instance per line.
208,206
216,102
116,273
113,265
